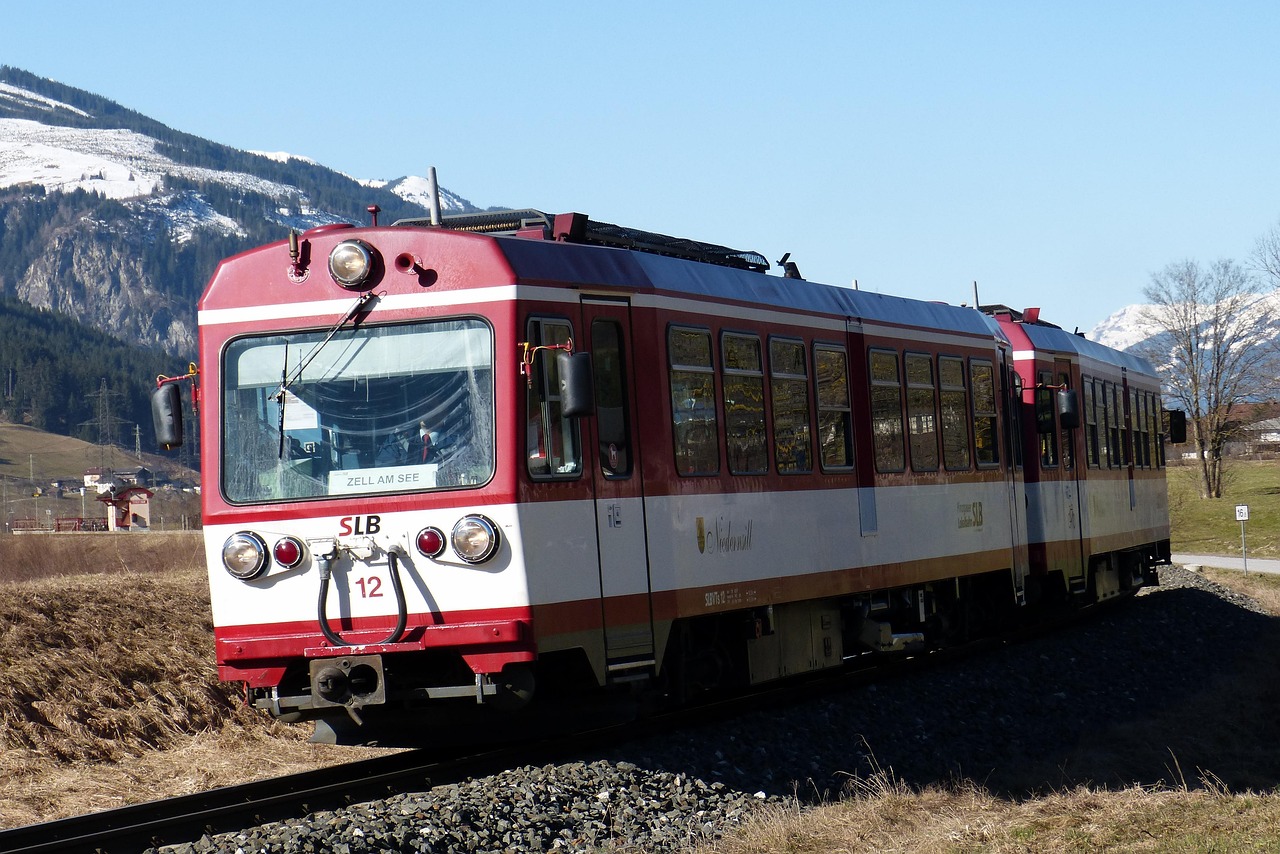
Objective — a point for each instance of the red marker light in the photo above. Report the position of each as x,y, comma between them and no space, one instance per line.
430,542
288,552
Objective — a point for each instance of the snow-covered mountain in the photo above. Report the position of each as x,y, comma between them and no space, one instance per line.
1125,329
1132,328
123,164
117,220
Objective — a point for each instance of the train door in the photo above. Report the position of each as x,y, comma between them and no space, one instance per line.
1011,385
619,490
1073,495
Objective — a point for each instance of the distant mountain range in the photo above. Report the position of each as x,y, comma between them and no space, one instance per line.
110,225
115,221
144,212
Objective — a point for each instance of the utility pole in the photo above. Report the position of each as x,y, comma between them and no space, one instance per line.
106,423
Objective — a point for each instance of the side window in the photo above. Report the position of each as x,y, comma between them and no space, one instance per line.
1158,427
693,402
552,441
1046,422
789,383
886,412
922,421
1068,447
985,436
744,404
835,421
612,416
1137,428
1119,418
955,414
1090,424
1110,451
1152,432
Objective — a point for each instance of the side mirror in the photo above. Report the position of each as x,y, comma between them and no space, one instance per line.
577,387
166,416
1177,421
1068,408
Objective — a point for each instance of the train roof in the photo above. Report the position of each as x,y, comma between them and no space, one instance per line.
1049,338
565,249
535,261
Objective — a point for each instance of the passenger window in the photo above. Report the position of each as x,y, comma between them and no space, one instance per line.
693,402
1046,421
789,382
1090,424
835,422
985,437
886,412
1068,446
955,420
744,404
552,441
921,413
1111,434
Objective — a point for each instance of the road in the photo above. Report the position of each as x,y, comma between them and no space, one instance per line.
1225,562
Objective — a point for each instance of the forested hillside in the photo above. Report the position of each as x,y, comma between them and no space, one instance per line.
53,372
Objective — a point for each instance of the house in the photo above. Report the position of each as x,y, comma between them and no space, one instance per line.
129,508
100,480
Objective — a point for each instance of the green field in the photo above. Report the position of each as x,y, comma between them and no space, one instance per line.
1209,526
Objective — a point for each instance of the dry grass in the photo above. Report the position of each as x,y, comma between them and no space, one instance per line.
967,819
32,557
110,693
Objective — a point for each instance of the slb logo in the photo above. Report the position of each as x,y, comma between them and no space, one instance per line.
349,525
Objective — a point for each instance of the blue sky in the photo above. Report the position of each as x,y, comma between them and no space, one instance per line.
1056,153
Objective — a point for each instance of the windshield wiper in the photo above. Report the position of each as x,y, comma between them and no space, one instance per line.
363,305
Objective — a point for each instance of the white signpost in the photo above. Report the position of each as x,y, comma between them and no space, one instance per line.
1242,516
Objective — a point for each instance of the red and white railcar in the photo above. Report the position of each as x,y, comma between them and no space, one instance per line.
447,462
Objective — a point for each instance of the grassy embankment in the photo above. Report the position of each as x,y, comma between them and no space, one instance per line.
1210,527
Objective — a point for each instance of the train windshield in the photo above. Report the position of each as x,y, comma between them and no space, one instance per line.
368,410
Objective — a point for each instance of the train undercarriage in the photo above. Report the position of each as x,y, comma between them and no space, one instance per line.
400,699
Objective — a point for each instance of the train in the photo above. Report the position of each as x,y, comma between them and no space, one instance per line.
465,461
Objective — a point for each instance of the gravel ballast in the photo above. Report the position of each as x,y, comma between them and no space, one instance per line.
1113,701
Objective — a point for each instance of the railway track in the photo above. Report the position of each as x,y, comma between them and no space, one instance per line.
189,817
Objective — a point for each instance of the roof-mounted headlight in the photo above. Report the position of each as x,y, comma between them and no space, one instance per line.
475,539
244,554
352,262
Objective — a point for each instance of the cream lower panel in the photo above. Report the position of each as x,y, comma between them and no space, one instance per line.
702,540
1110,511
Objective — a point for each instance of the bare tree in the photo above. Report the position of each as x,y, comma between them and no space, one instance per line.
1215,351
1266,254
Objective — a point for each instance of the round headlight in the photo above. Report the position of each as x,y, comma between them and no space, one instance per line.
288,552
430,542
244,554
351,263
475,539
